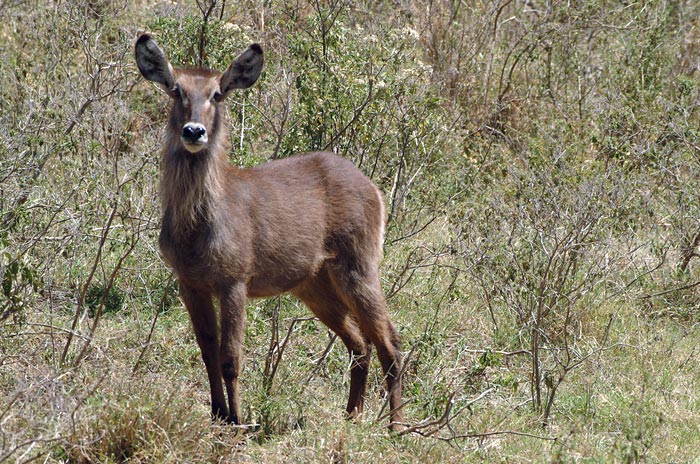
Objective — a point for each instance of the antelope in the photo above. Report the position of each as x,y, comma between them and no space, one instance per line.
311,225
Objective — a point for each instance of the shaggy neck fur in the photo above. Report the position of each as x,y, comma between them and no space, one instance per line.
191,183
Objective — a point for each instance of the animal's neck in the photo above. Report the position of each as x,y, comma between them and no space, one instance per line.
192,183
191,186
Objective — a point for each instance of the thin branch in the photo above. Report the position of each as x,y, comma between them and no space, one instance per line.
323,357
666,292
405,363
498,432
430,423
444,420
206,12
51,327
108,288
356,114
502,353
161,306
689,252
276,349
88,281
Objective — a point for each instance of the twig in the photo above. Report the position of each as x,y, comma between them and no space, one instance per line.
323,357
206,12
276,349
444,420
31,442
108,288
502,353
405,363
47,326
435,422
356,114
666,292
88,281
689,252
161,305
497,432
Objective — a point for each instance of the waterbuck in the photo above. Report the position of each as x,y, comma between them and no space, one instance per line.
311,225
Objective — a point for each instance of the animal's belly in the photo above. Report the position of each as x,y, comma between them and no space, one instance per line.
264,276
281,277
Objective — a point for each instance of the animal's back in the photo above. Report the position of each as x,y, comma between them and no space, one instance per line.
318,182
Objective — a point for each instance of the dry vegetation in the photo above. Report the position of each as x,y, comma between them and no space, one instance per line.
539,160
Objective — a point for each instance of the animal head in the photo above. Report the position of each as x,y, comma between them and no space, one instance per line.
196,93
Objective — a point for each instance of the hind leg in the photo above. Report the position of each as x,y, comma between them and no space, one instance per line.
358,285
319,295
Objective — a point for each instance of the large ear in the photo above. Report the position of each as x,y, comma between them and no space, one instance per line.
153,63
244,70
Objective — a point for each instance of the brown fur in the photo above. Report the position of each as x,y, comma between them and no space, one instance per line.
311,225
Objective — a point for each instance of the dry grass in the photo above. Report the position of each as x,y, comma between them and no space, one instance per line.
636,400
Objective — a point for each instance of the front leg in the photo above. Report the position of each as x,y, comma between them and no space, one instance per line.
205,324
233,319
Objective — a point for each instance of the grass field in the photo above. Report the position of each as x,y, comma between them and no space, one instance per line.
539,161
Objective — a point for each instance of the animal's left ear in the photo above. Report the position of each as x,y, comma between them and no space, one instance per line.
244,70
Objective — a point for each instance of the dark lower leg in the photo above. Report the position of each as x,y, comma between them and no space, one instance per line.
205,325
219,410
360,287
320,296
359,370
235,415
232,301
390,359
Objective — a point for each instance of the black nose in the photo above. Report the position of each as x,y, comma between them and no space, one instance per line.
193,132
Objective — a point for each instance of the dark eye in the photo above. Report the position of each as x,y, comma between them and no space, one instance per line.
216,97
176,92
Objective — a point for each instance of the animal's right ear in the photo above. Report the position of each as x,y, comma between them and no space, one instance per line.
153,63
